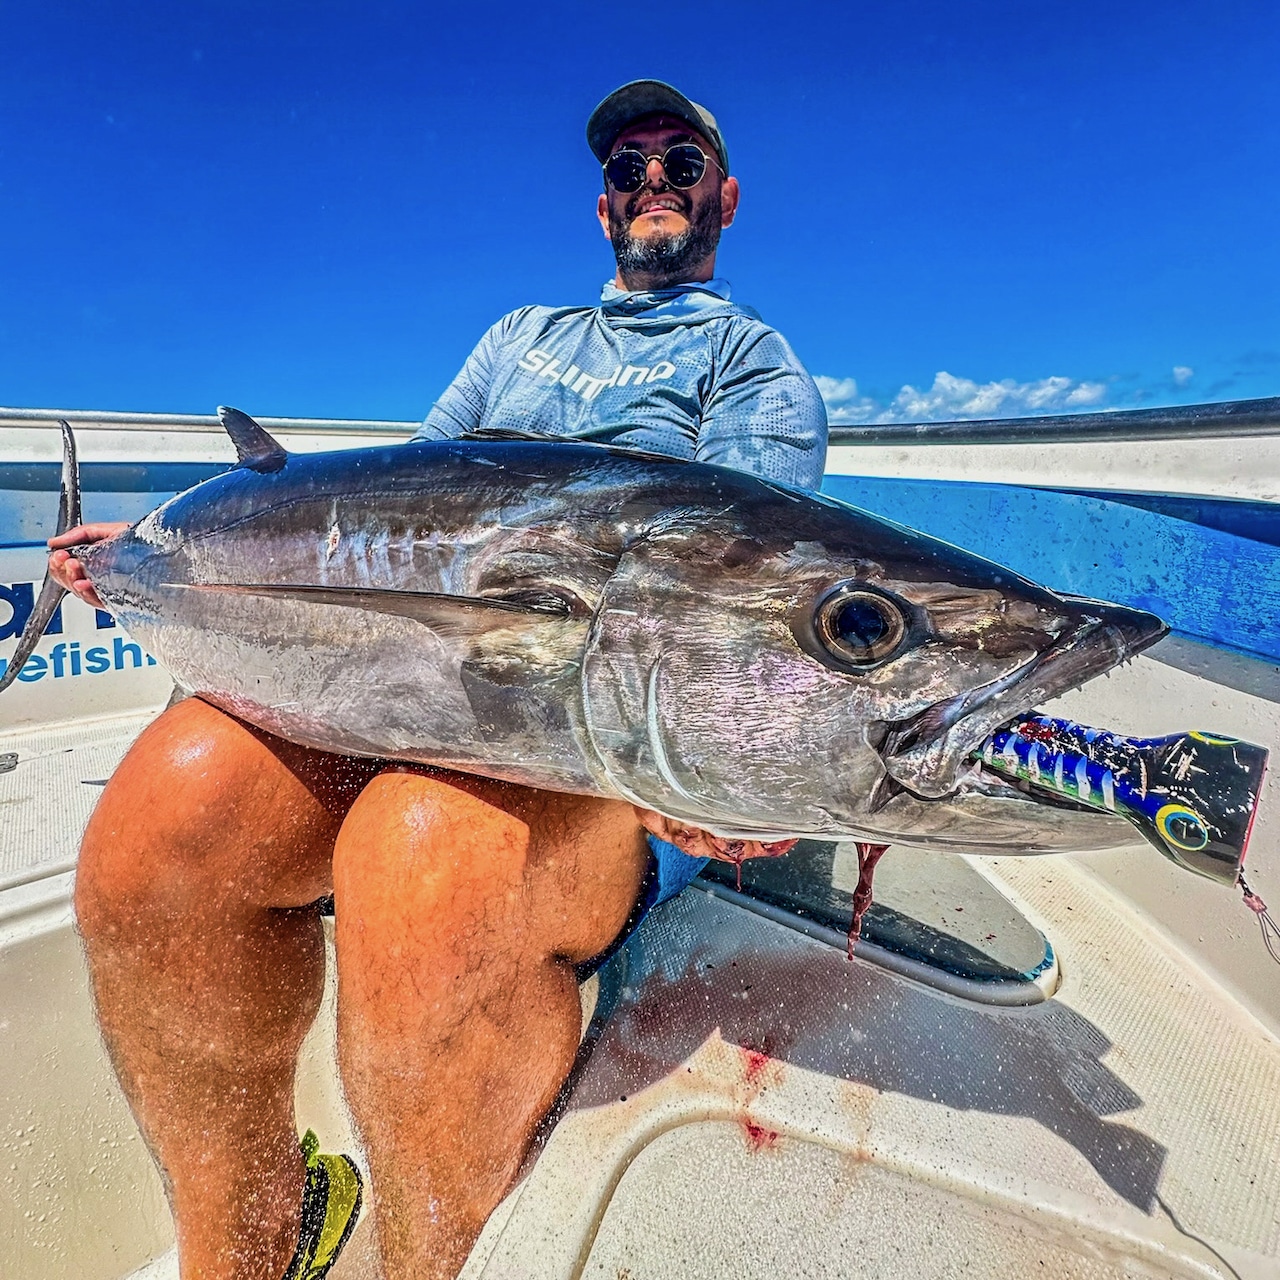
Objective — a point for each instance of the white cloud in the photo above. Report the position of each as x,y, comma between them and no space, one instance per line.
953,397
843,400
1182,374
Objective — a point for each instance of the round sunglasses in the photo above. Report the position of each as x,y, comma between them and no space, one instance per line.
684,164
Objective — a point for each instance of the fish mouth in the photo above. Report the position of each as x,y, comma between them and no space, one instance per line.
929,753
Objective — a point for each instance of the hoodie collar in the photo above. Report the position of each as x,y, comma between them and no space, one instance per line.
613,298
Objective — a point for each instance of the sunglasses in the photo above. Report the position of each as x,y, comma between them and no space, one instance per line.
684,164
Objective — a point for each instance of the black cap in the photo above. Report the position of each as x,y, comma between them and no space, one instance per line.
647,98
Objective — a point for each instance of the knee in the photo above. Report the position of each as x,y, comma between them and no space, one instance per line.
427,881
173,826
440,876
418,853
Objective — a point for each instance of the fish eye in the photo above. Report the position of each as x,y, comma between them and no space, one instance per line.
860,627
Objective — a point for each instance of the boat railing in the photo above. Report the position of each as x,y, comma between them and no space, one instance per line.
195,422
1193,421
1258,417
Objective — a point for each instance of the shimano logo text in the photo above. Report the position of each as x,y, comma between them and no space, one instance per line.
544,365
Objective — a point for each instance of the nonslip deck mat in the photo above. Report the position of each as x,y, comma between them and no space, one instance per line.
759,1105
47,796
855,1218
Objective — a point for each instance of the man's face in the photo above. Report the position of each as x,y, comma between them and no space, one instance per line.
662,234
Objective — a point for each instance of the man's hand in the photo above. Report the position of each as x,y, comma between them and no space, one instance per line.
67,571
702,844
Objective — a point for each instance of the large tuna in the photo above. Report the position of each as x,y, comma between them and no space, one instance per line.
745,657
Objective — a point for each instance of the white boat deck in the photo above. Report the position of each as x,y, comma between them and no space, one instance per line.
52,787
755,1106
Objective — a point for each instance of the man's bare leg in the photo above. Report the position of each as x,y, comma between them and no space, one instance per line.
462,905
204,987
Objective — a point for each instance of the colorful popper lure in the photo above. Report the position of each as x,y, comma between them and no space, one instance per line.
1192,795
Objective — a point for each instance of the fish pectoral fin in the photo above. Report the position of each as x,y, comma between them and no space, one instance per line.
499,433
444,614
885,789
255,447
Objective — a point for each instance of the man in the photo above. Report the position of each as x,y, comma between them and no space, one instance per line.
463,905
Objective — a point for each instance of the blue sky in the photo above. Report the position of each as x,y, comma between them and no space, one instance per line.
315,209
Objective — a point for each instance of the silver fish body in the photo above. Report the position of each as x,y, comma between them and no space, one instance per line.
758,661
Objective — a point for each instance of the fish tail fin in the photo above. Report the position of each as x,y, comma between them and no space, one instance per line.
51,592
69,487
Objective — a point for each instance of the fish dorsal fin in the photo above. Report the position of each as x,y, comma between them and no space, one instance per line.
447,615
255,448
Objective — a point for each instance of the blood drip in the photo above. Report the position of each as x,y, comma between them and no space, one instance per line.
738,851
702,844
758,1137
755,1064
1035,731
868,856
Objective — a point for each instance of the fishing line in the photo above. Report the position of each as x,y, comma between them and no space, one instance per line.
1191,1235
1266,921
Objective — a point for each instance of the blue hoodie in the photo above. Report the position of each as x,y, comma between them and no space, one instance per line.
682,371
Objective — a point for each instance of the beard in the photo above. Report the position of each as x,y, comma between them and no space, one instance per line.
665,259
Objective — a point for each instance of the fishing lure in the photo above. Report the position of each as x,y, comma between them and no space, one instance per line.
1194,796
